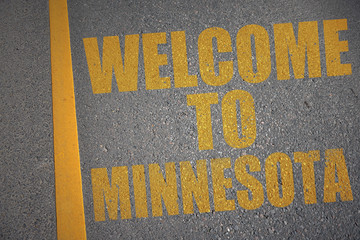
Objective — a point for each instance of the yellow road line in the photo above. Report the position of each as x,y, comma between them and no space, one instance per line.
68,186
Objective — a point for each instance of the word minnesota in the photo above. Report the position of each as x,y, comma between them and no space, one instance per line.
114,195
216,64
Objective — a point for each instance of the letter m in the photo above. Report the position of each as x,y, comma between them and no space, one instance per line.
102,189
286,45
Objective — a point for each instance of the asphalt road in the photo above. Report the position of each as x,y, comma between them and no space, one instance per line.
147,127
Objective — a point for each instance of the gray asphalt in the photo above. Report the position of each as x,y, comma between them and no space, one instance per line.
143,127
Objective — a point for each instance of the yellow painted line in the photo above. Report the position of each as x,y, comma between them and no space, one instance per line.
69,199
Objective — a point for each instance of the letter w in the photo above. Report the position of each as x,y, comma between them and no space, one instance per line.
126,74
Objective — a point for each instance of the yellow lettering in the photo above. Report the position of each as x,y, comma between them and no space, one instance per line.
180,61
245,56
202,104
249,181
307,166
220,183
195,187
285,45
287,179
126,74
138,172
119,187
334,159
206,56
333,47
230,122
152,61
167,191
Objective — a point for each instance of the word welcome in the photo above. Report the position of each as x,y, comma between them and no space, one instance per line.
289,51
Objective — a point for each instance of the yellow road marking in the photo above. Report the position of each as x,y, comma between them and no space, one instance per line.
68,186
